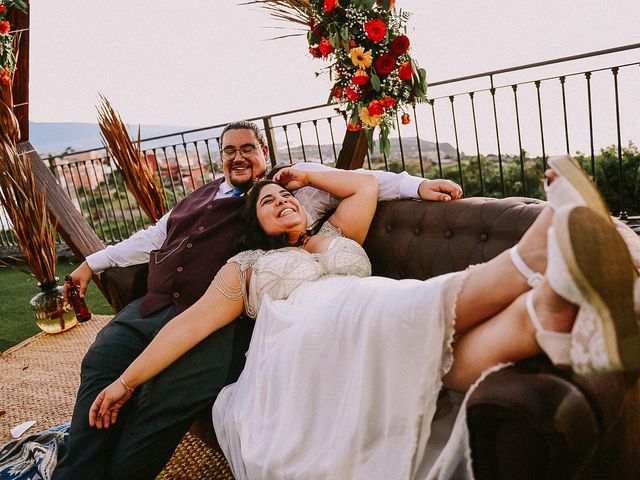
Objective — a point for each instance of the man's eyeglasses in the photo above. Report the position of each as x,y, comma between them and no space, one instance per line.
247,151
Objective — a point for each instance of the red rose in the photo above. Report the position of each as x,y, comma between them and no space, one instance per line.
314,52
406,119
353,94
375,108
338,92
405,72
2,8
4,26
330,5
5,77
384,64
388,102
325,47
352,44
399,45
316,29
376,29
360,78
354,127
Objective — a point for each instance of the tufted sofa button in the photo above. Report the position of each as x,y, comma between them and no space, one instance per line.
448,234
416,231
484,237
388,228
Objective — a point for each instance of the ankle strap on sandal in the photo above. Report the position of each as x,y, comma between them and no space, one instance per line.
533,278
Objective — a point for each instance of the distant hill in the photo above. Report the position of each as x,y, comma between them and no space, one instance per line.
409,149
51,137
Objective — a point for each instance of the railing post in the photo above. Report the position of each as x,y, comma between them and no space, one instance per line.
354,149
271,141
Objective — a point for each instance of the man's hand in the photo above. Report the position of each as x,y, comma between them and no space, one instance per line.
291,178
439,190
81,276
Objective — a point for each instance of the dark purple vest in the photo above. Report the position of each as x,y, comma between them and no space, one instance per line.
201,237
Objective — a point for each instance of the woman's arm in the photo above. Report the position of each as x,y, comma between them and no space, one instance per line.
358,192
213,311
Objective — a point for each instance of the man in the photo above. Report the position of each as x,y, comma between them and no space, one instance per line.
184,250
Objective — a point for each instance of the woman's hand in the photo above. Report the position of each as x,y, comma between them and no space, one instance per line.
105,408
292,178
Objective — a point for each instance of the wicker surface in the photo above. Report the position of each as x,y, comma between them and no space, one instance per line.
40,377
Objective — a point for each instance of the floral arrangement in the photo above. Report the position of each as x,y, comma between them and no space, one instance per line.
7,56
374,76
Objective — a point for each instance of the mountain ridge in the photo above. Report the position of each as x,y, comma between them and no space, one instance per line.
51,138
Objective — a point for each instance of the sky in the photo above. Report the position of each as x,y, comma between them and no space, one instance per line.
205,62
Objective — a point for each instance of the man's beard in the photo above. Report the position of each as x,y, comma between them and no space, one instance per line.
242,184
245,184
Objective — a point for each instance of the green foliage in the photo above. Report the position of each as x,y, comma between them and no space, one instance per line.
620,195
486,176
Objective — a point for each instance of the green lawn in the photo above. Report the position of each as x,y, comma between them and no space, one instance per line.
17,288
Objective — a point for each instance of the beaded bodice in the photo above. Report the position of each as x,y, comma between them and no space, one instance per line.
278,273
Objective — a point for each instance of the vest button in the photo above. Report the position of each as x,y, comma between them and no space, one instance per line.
200,228
179,269
189,245
209,207
484,237
176,295
448,234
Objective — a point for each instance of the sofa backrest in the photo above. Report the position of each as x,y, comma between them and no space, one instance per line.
407,239
413,239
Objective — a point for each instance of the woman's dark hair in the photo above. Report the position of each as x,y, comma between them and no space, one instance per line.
252,236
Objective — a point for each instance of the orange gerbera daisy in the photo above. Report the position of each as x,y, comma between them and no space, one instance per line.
369,120
360,58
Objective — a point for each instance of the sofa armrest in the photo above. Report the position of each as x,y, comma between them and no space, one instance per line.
528,421
535,421
122,285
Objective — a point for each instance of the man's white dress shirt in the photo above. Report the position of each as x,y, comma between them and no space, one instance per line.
135,249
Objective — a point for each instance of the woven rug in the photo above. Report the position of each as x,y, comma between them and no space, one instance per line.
40,378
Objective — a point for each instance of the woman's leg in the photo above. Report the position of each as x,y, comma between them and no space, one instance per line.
509,336
492,286
590,266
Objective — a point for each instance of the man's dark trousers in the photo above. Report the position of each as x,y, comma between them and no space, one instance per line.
154,420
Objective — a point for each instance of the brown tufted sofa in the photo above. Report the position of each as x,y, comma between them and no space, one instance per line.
528,421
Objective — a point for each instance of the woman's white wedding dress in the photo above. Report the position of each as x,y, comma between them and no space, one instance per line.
344,371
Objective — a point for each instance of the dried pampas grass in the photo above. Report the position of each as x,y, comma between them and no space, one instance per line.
140,180
24,202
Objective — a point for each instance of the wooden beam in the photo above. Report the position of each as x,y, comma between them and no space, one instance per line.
72,226
271,141
353,151
20,26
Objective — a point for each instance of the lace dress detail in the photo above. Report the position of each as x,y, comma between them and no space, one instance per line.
277,273
343,371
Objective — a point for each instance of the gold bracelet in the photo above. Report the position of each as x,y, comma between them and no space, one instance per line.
125,385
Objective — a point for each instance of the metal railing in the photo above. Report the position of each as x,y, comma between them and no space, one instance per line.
490,131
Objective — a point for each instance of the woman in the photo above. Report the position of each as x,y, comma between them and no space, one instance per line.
344,370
